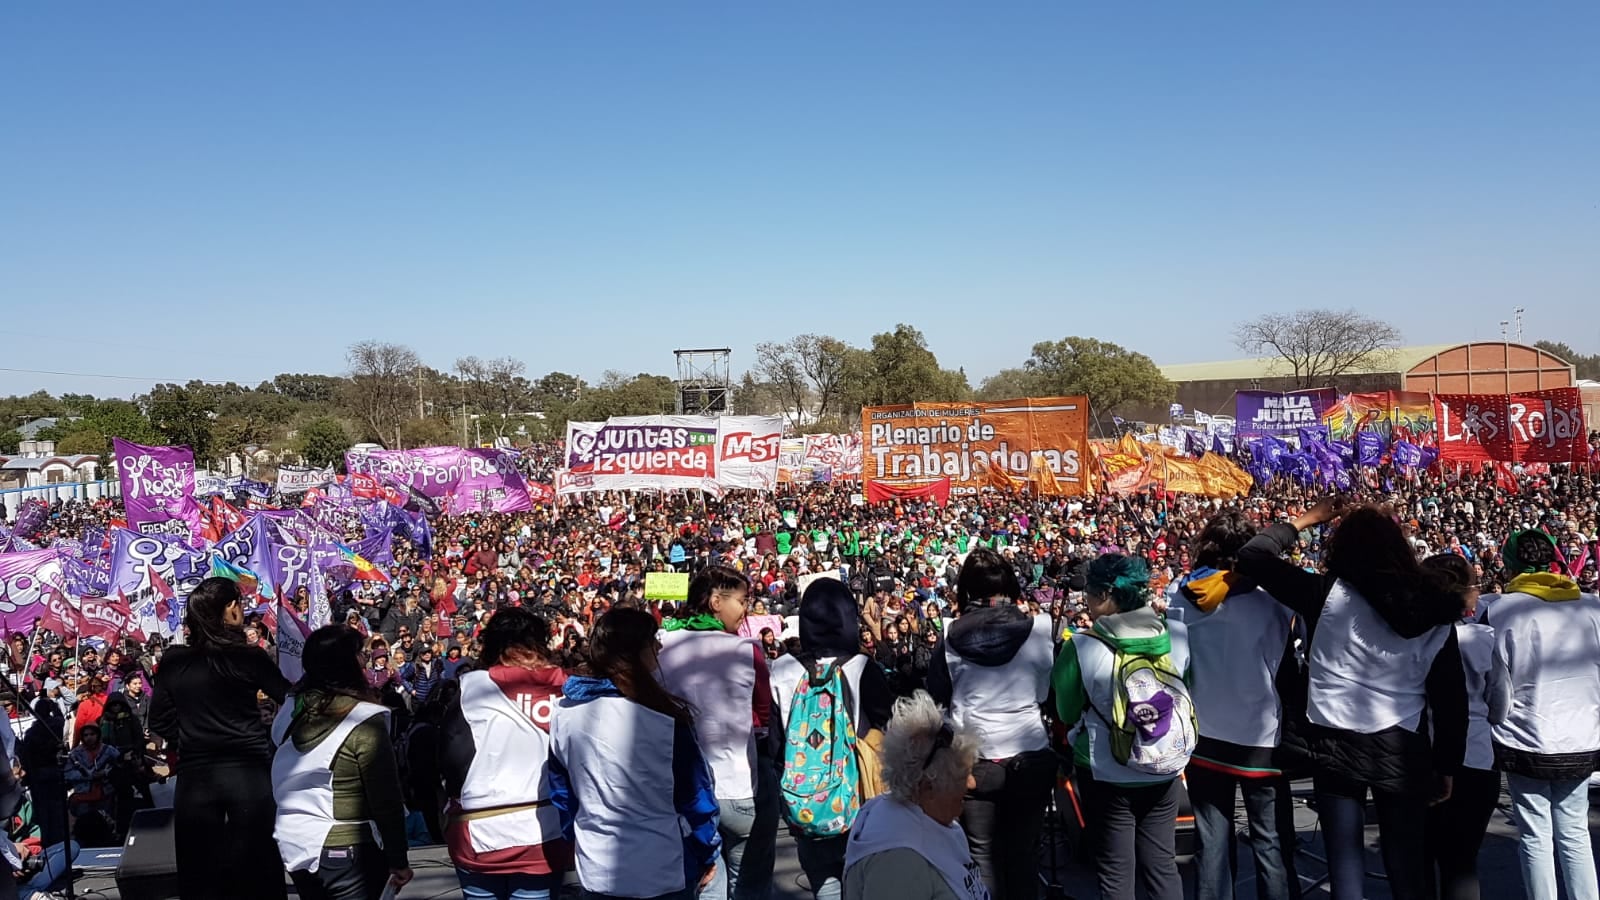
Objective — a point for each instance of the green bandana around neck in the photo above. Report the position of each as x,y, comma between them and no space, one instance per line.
699,622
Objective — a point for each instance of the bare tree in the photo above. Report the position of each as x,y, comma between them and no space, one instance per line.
382,391
496,387
1319,344
778,365
821,360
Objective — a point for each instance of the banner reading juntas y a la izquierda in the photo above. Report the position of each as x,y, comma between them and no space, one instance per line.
465,480
672,453
158,489
1259,413
923,442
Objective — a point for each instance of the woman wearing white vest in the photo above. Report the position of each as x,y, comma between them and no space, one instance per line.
1134,814
626,774
1544,713
1237,634
992,671
503,830
340,824
907,843
724,679
1383,656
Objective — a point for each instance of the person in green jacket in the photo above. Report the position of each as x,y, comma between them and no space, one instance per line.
1134,814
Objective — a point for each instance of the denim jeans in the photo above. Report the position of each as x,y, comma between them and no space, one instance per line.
1553,819
749,830
685,894
1402,819
1211,793
822,859
482,886
1003,816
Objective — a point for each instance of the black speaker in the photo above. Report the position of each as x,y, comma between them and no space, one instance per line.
149,867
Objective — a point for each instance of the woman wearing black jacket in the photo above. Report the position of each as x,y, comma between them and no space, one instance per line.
204,704
1383,660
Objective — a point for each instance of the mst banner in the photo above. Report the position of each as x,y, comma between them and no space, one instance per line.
1534,426
925,442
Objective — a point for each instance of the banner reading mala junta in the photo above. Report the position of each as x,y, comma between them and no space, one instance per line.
921,442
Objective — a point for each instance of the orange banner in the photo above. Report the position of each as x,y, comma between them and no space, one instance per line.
914,443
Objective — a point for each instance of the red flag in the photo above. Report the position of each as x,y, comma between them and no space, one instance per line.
365,486
227,517
878,491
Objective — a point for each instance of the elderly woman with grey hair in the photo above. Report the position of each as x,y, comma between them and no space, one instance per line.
907,843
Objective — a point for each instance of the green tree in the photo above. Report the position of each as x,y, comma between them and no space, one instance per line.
1009,384
322,441
85,440
1108,374
312,389
429,432
97,423
10,441
898,368
183,415
1587,366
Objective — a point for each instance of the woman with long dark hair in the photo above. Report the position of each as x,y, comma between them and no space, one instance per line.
503,833
1383,655
340,825
627,775
992,671
204,705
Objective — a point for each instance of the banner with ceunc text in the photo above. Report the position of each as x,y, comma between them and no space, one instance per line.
299,479
920,443
158,489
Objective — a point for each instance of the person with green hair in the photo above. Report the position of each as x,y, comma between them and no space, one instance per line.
1134,812
1544,713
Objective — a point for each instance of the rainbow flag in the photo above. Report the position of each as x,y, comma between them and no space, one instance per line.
250,585
365,571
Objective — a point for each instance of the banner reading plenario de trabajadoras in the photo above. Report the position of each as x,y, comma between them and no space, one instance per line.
923,442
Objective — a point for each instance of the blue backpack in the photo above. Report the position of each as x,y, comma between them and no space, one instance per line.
821,779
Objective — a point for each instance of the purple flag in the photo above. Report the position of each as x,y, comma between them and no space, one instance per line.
432,471
489,482
292,568
1193,443
1369,448
28,583
249,546
1314,434
1406,454
30,519
158,489
87,577
376,549
134,556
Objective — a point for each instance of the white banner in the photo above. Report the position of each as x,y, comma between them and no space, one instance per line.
707,453
298,479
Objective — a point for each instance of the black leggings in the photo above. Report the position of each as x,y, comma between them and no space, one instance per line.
222,825
1003,817
1455,833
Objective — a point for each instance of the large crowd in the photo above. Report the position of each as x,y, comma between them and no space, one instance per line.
898,685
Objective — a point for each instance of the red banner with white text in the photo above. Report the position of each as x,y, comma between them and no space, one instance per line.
1532,426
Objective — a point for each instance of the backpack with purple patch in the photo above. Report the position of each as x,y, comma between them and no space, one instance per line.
1152,723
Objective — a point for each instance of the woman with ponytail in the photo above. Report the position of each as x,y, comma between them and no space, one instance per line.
626,774
204,705
1133,810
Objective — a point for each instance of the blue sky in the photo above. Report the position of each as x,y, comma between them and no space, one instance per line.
227,191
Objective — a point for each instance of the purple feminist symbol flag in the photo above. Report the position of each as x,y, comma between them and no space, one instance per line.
28,583
489,482
158,489
135,556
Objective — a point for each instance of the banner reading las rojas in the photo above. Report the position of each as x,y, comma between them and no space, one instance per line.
924,442
1533,426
